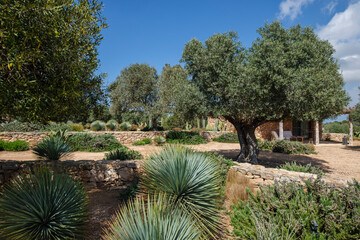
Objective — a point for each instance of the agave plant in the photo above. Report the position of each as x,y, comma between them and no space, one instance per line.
43,206
157,217
61,133
52,148
191,178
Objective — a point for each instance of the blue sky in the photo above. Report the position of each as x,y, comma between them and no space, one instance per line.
155,32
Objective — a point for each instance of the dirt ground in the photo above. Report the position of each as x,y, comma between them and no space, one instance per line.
335,160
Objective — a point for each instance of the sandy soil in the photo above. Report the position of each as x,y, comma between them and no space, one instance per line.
336,160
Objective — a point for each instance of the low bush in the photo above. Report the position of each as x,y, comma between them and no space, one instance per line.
52,148
78,127
122,153
289,210
192,138
134,127
125,126
33,127
142,142
93,143
112,125
288,147
43,205
17,145
301,168
227,138
159,140
98,126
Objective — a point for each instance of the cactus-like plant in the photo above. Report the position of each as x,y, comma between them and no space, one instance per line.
52,148
43,206
155,217
112,124
98,126
216,125
190,177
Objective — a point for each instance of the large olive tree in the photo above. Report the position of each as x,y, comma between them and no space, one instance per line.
48,59
285,73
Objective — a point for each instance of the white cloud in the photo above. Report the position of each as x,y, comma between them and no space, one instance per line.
330,7
343,32
292,8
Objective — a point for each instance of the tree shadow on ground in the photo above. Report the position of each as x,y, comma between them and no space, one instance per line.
353,148
273,160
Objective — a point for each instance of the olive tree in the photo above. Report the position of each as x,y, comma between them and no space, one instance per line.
285,73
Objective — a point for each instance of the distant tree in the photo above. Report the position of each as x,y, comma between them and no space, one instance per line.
286,73
136,91
48,59
178,96
355,115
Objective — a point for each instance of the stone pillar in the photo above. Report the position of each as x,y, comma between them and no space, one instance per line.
351,132
281,130
317,134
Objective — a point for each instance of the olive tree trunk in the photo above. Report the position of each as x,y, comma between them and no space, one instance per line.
249,147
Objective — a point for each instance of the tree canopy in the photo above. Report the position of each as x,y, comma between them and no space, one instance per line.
355,115
285,73
48,58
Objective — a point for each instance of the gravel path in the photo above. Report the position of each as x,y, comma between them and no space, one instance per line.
335,160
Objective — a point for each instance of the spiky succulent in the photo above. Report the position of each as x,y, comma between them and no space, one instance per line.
191,178
43,206
52,148
156,217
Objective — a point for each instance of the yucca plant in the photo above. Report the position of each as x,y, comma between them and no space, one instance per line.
43,206
52,148
112,124
61,133
98,126
156,217
192,178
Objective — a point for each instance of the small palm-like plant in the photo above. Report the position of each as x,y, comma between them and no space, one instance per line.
43,206
52,148
156,217
191,178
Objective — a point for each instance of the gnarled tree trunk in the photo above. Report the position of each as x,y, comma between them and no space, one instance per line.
249,148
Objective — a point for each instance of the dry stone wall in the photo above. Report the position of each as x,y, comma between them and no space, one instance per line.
124,137
105,174
259,175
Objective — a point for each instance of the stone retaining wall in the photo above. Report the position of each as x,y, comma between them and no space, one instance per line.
259,175
335,137
124,137
105,174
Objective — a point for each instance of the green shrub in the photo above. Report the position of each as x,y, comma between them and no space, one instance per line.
192,138
43,205
190,177
17,145
357,134
93,143
78,127
227,138
52,148
159,140
112,125
123,153
125,126
155,217
301,168
33,127
173,122
289,209
142,142
339,127
288,147
98,126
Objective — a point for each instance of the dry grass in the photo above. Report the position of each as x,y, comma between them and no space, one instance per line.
236,185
